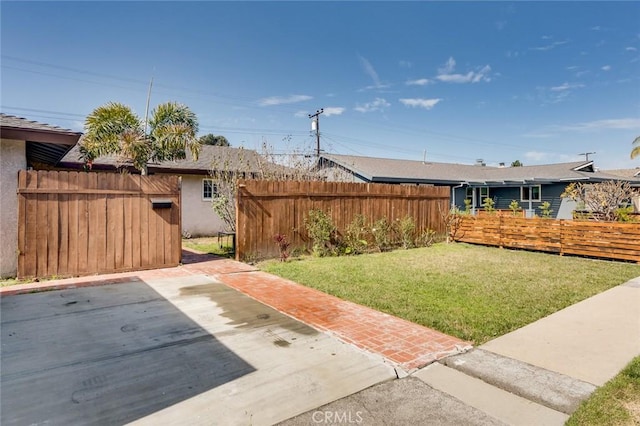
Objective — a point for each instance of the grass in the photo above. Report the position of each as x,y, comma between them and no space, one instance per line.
615,403
222,247
472,292
6,282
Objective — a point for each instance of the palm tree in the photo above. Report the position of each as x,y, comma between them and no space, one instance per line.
115,129
635,152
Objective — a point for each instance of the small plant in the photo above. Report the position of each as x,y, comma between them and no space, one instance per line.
320,228
545,209
427,238
283,245
515,208
407,230
488,205
467,206
355,236
623,214
381,230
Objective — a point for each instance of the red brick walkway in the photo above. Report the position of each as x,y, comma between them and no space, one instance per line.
404,343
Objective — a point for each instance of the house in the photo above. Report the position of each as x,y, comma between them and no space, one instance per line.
529,185
23,144
198,188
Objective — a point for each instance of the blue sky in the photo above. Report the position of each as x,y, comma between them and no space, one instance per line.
538,82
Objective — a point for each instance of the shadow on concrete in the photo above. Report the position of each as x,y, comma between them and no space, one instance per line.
103,355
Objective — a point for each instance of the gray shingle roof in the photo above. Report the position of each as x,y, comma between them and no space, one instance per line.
391,170
218,157
10,121
624,172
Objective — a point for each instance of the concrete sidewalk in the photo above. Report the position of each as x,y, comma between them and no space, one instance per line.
538,374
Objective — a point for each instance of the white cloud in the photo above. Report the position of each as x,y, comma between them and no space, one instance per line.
550,46
566,86
448,67
333,111
606,68
420,103
631,49
378,104
301,114
548,157
471,77
538,135
371,72
419,82
279,100
596,28
615,123
405,64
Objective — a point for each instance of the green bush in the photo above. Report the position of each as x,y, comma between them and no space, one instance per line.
321,230
381,231
355,240
406,228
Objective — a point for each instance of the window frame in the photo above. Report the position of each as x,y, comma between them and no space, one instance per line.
213,188
530,189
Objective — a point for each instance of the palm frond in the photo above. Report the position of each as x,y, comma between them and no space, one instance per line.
635,152
104,128
173,130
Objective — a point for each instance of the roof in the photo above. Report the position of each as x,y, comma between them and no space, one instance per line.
624,172
221,158
12,126
45,144
410,171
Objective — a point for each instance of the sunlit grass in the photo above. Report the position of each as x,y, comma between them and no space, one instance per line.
473,292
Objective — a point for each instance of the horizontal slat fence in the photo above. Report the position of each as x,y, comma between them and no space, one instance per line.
267,208
78,223
610,240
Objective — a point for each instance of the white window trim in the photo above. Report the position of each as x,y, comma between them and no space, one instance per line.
522,199
213,193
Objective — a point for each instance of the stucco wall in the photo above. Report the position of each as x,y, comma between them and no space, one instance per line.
12,159
198,218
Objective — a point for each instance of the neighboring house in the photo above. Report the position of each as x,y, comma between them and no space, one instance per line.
198,188
23,144
529,185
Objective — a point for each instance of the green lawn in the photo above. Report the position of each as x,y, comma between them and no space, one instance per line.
211,245
473,292
615,403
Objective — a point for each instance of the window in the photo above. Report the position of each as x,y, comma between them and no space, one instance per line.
530,193
469,193
484,193
209,189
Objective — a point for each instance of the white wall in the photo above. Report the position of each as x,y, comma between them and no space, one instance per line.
12,158
198,218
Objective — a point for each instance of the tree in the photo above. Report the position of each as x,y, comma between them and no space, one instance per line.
211,139
114,129
635,151
234,164
602,200
517,163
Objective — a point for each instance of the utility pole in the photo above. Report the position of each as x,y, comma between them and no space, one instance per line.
315,125
586,155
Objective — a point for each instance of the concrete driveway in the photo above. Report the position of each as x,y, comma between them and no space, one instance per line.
183,350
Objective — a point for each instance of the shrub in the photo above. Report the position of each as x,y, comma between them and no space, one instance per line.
488,205
427,238
355,236
283,245
546,210
381,231
321,229
406,228
515,208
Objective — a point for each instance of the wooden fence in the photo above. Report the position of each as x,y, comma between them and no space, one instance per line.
267,208
78,223
611,240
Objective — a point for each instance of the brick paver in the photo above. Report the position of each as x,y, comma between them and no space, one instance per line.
408,345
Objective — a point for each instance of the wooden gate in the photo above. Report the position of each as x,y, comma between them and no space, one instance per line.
78,223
